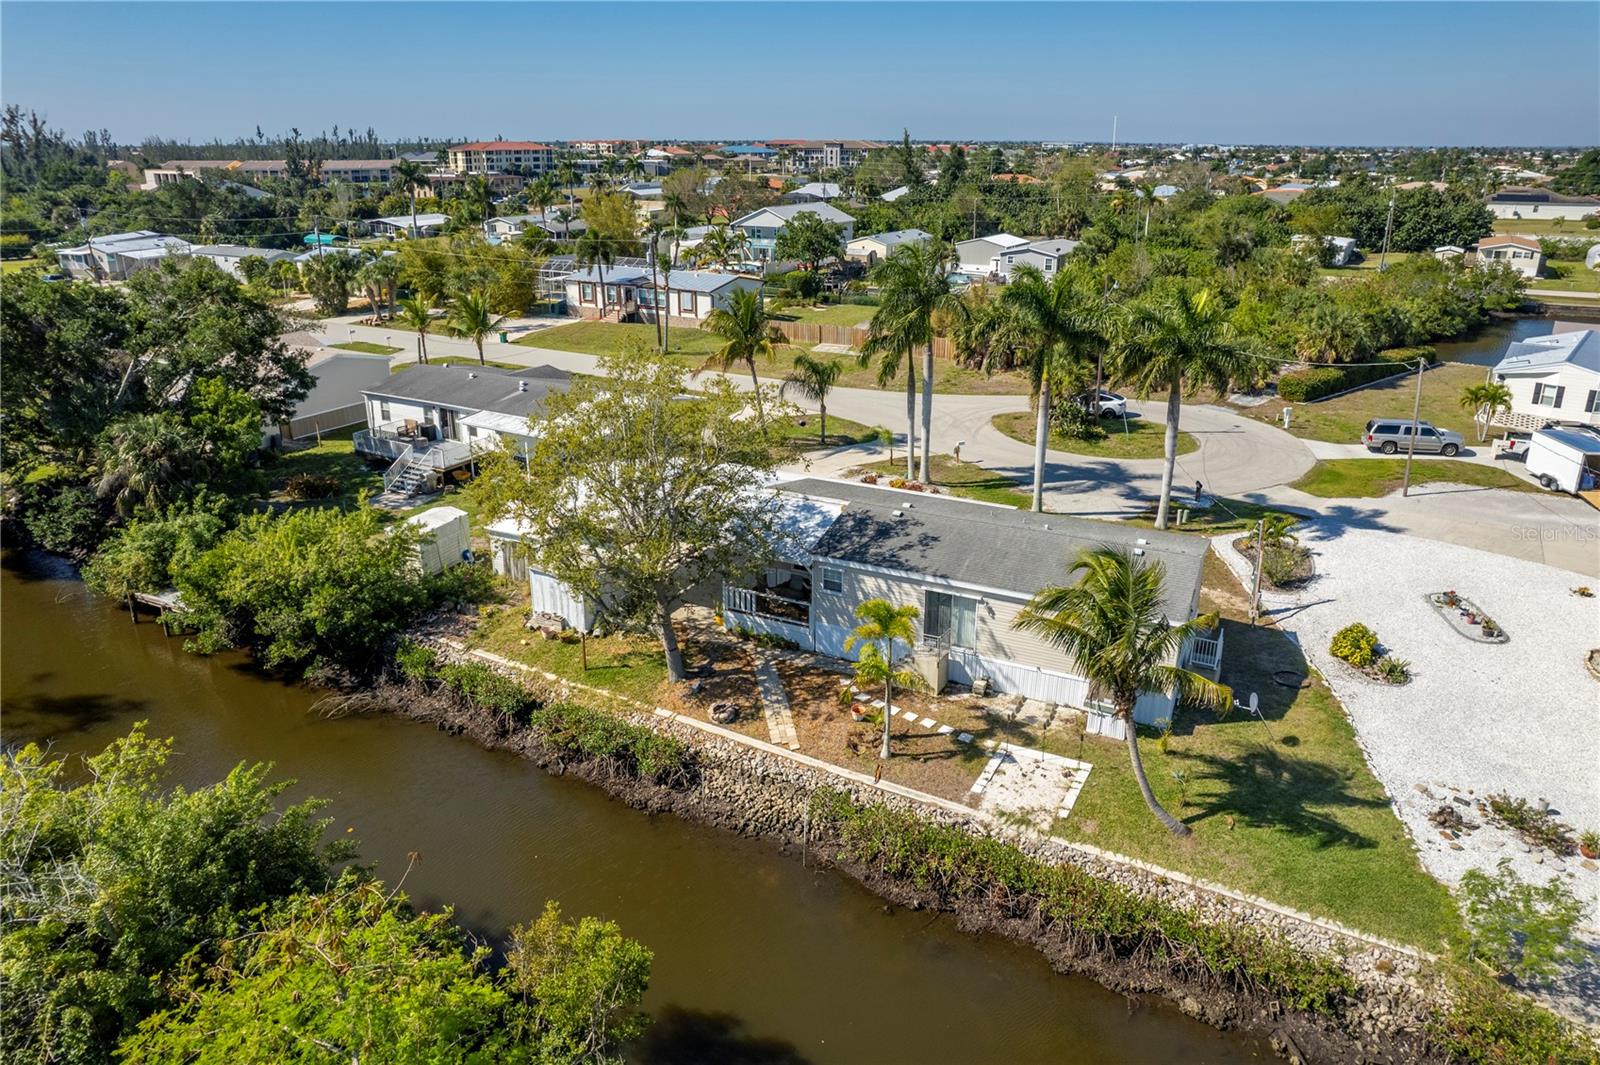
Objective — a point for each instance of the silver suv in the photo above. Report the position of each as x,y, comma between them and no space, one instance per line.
1390,435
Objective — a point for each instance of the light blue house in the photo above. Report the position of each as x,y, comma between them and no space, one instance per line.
761,227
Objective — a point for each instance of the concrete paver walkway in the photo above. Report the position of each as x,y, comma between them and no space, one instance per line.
775,702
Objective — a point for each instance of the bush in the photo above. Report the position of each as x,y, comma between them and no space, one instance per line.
1394,670
312,486
1520,928
480,684
15,246
61,516
416,662
1489,1023
802,284
1281,564
1073,420
1356,644
1317,382
639,751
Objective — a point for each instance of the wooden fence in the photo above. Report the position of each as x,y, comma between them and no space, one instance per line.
850,336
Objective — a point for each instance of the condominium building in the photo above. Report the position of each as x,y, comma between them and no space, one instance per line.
498,157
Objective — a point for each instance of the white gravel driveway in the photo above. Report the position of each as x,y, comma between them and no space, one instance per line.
1521,717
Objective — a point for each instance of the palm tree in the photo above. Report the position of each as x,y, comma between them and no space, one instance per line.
566,173
479,198
722,246
541,196
144,460
915,286
1147,193
1178,337
748,333
416,312
408,175
1061,320
1111,625
882,623
814,378
592,249
471,317
1485,401
378,278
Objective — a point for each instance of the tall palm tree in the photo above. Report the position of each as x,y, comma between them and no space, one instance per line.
914,283
1060,318
416,313
470,316
1485,401
748,333
1112,626
479,198
889,356
566,173
882,623
408,175
144,461
379,277
722,246
593,250
1147,193
1178,337
814,378
541,196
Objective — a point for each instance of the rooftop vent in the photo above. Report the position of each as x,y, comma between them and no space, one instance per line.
897,513
1141,540
522,386
1138,550
472,374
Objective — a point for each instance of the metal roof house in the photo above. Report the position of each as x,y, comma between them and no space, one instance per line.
428,224
976,256
761,227
430,421
968,567
117,256
1046,256
1552,379
686,297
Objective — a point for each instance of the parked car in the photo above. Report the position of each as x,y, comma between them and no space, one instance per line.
1513,445
1392,435
1112,404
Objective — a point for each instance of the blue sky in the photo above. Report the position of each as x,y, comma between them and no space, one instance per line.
1304,73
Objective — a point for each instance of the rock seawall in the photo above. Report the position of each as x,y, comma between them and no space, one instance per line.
754,788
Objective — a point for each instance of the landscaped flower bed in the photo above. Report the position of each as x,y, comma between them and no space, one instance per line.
1464,616
1358,646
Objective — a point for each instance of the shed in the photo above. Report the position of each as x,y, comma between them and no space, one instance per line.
446,538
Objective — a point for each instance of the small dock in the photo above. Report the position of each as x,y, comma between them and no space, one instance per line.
163,603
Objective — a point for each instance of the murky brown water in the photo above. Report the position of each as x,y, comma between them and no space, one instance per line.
759,961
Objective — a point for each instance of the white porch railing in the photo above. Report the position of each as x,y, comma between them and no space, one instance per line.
1204,652
379,444
444,455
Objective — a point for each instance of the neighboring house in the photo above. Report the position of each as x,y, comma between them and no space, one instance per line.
1341,250
1522,254
1520,201
553,222
1283,195
754,153
814,192
229,256
428,224
1591,258
977,256
357,171
118,256
431,420
688,296
874,249
968,567
1552,379
336,398
895,193
761,227
1046,256
1449,251
498,157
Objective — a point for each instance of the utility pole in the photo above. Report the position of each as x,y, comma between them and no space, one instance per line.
1113,134
1411,441
1388,228
1255,576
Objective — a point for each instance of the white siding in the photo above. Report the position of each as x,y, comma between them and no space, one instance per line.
550,596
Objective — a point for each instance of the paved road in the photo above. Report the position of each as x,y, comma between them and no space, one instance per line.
1238,457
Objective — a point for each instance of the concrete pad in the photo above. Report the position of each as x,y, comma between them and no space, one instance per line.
1032,785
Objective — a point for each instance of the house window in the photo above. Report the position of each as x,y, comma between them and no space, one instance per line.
383,411
1547,395
952,615
585,293
686,302
1592,404
832,580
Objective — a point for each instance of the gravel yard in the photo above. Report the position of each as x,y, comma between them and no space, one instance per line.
1521,717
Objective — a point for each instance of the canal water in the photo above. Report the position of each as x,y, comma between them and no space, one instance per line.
758,960
1488,345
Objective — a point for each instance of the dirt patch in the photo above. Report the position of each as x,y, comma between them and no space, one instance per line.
1289,565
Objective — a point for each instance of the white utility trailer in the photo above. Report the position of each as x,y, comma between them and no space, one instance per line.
1566,460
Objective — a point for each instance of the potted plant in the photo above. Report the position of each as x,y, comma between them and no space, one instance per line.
1589,844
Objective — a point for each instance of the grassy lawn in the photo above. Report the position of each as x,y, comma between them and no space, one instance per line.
1368,261
1288,810
1370,478
366,347
1136,438
461,360
627,664
1224,515
1570,228
1569,275
613,338
334,456
965,479
846,314
8,266
800,433
1341,420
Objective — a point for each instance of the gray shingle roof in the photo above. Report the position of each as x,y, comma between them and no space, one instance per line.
994,547
476,387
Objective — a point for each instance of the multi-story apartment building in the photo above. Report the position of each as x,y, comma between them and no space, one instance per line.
499,157
803,156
